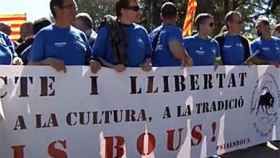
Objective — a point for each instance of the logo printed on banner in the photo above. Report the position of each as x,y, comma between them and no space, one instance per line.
265,104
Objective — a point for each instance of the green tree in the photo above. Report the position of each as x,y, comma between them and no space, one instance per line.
250,9
96,8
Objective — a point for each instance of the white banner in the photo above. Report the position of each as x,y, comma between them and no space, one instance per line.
166,113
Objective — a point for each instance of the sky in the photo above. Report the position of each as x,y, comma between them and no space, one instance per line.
34,9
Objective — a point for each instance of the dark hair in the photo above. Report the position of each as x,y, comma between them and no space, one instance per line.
229,16
55,3
5,28
121,4
201,18
86,19
168,9
39,24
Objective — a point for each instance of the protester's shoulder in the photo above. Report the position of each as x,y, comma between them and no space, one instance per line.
276,38
138,27
219,37
45,31
157,29
78,34
244,38
189,38
48,28
256,41
214,41
103,30
6,39
173,28
75,30
4,36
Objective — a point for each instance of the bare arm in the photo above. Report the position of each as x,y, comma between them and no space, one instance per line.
57,64
179,52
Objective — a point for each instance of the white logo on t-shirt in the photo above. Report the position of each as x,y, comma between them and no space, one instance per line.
227,46
239,44
266,48
60,44
199,52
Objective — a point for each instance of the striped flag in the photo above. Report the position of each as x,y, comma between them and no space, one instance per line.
190,14
15,21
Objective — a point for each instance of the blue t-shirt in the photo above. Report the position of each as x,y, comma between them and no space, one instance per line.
138,46
162,56
202,51
26,55
268,50
67,44
7,51
233,50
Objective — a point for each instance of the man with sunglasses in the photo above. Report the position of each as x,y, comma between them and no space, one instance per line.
61,44
234,48
202,48
167,40
266,48
128,44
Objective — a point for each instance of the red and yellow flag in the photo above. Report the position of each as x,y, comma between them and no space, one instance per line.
190,14
15,21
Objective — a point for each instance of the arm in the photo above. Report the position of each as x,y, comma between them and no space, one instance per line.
15,59
175,44
218,59
147,63
255,58
101,43
179,52
246,48
98,51
37,50
220,41
38,57
88,50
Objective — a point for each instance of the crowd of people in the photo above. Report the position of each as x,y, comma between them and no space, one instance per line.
120,42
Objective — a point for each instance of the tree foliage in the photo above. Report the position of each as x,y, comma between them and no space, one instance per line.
250,9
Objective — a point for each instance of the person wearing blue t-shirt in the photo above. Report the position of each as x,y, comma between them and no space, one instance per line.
234,48
120,42
276,31
84,22
202,48
266,48
167,41
61,44
8,55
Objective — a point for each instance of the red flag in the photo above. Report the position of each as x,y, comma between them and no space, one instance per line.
190,14
15,21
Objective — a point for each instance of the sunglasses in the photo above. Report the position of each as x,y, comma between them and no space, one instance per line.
134,8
